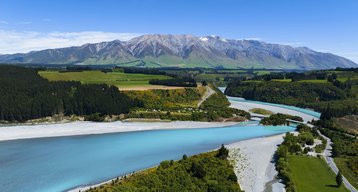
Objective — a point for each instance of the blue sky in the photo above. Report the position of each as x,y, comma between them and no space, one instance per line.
323,25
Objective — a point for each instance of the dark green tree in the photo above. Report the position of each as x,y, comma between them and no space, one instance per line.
198,170
223,153
339,178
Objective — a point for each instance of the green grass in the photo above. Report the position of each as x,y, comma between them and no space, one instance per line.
210,76
346,171
311,174
118,79
343,79
254,81
261,111
345,75
262,72
281,80
314,81
233,70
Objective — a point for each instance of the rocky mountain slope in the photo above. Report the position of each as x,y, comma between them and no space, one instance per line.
185,51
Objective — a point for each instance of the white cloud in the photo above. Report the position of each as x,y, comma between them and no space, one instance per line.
24,23
22,42
46,20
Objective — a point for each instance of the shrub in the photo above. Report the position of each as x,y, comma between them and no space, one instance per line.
198,170
306,150
223,153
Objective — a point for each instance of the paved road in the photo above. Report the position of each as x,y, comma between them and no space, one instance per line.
208,93
327,156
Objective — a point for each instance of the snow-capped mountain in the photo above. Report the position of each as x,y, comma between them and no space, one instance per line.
185,51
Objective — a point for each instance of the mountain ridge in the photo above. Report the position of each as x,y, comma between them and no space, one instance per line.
158,50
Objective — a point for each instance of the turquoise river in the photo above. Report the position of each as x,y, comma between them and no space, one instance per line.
63,163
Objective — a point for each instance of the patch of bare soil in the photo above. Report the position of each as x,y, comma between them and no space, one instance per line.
348,123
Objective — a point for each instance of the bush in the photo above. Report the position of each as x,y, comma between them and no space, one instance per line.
303,128
295,148
96,117
232,177
279,119
310,141
223,153
198,170
180,82
319,148
200,173
306,150
165,164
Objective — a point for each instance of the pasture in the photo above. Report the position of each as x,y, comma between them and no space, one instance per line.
311,174
119,79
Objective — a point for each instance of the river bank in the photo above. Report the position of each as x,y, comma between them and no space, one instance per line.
247,106
254,165
13,132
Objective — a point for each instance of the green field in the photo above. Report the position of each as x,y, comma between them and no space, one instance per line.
261,111
346,78
345,75
312,174
119,79
313,81
262,72
282,80
216,76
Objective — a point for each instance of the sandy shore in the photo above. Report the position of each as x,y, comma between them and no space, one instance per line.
253,163
86,128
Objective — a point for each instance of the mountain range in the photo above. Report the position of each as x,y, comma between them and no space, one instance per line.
185,51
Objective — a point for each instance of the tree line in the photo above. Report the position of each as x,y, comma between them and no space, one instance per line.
331,99
25,95
279,119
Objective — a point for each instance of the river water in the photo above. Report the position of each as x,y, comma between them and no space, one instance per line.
63,163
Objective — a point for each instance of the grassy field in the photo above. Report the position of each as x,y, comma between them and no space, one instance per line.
261,111
282,80
342,164
262,72
314,81
345,75
119,79
212,77
312,174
